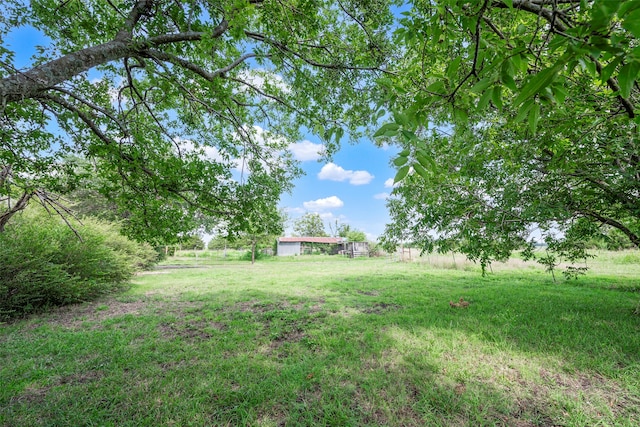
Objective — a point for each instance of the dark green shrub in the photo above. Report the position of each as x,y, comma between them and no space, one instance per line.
43,263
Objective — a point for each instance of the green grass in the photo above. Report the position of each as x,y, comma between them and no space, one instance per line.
332,341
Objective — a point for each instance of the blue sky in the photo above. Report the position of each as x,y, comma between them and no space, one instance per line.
351,188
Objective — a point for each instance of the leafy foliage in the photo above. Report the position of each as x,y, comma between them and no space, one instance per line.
45,264
191,241
182,110
517,124
309,225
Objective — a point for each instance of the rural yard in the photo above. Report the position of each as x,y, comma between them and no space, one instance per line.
322,340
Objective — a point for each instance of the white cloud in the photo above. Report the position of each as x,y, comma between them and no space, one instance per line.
262,78
332,202
327,216
381,196
205,151
333,172
295,210
306,150
389,183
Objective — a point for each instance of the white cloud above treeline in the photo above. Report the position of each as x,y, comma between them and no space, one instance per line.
332,202
333,172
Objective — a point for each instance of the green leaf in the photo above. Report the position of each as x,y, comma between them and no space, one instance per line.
425,160
589,66
400,118
408,135
628,6
404,153
388,129
534,117
509,3
627,76
496,97
399,161
602,13
542,79
421,170
632,23
524,110
460,115
508,81
484,100
452,68
610,68
402,172
482,85
559,92
436,87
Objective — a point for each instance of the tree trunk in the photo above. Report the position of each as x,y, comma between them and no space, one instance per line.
253,252
45,76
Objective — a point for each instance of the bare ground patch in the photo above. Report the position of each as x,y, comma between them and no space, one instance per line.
381,308
76,315
33,395
194,330
73,316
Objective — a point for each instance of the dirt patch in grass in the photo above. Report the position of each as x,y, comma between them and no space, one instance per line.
368,293
32,395
81,377
37,395
381,308
194,330
259,307
73,316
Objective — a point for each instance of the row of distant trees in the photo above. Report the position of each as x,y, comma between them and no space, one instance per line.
310,224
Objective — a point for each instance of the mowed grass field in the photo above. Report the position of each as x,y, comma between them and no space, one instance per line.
314,341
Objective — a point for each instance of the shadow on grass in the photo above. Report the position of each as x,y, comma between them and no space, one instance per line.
371,351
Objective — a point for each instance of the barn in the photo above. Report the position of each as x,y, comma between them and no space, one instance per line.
290,246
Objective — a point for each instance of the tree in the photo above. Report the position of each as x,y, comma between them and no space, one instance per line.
517,122
181,107
263,227
351,234
309,225
191,242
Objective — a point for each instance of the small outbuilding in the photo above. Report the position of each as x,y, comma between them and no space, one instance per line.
290,246
356,249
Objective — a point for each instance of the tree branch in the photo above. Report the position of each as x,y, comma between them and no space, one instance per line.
280,46
210,76
140,8
635,239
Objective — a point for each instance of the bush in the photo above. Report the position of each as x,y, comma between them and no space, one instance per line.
45,264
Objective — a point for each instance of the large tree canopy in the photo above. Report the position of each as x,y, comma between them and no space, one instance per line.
182,107
518,119
309,225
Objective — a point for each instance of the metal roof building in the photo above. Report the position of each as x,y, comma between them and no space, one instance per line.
290,246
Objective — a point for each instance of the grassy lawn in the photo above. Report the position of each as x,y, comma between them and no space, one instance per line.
330,341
